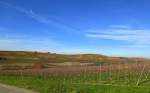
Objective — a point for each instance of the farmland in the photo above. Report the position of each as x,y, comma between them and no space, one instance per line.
88,73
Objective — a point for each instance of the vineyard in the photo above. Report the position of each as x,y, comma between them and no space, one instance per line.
108,78
54,73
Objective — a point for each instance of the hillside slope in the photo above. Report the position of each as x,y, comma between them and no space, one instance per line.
23,58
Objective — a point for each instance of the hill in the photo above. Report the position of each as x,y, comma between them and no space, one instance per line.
27,59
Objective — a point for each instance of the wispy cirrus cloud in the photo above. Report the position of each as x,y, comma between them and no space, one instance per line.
133,37
120,26
40,44
18,41
38,17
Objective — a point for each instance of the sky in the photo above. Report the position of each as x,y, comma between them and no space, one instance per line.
109,27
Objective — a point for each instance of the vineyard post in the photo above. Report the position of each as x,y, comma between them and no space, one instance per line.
100,72
148,72
119,71
110,72
124,71
136,70
85,76
127,72
138,81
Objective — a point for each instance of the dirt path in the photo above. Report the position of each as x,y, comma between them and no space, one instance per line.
12,89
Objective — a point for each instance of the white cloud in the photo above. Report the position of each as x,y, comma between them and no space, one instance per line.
120,26
38,17
40,44
133,37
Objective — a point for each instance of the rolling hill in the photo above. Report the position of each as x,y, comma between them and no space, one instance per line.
27,59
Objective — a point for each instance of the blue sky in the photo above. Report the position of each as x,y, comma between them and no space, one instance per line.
110,27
